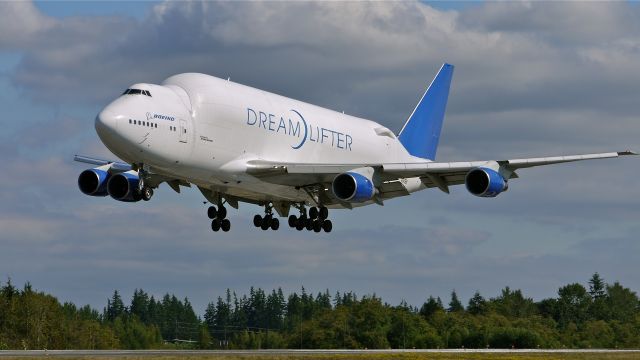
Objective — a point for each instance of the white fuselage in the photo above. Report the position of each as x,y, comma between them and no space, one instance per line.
203,130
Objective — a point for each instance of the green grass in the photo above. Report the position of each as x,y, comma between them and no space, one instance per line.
395,356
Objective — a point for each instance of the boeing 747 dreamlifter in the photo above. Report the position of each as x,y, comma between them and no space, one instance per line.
240,144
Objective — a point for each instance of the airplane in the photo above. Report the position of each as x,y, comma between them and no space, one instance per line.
238,144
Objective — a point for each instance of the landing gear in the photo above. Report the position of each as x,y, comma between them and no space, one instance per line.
268,221
146,193
316,221
218,218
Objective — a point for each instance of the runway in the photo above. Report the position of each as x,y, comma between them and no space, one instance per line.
287,352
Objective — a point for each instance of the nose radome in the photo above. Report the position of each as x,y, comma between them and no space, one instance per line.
106,122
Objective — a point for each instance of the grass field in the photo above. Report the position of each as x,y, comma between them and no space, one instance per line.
370,356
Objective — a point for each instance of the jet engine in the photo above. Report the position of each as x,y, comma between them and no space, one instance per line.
353,187
93,182
485,182
124,186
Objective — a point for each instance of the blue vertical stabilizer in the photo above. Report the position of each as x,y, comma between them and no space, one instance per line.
421,132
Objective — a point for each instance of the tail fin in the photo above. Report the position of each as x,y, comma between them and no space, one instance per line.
421,133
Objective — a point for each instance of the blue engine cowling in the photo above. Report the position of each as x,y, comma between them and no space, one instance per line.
93,182
485,182
353,187
124,186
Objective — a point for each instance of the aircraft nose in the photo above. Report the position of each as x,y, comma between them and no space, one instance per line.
106,122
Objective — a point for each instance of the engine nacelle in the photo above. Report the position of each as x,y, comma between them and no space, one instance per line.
353,187
124,186
485,182
93,182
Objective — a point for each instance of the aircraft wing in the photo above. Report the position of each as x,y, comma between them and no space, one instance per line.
115,165
152,179
393,176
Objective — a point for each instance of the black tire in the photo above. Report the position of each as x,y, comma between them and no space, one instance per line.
266,222
327,226
275,224
309,224
147,193
222,212
300,225
324,213
317,226
225,225
211,212
257,221
215,224
293,220
313,213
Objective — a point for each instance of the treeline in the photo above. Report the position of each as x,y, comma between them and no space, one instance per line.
598,316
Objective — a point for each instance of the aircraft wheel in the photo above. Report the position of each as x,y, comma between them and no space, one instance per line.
317,226
313,213
309,224
275,224
327,226
211,212
293,220
225,224
300,225
257,221
266,222
146,193
324,212
222,212
215,224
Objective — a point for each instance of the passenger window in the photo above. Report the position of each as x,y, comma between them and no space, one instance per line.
135,122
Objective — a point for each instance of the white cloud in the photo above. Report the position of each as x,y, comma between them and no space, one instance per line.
531,79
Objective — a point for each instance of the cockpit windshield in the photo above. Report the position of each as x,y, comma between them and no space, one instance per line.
136,92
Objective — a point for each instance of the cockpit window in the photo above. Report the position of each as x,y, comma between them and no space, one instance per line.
136,92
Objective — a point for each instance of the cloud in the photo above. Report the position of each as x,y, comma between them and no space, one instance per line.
531,79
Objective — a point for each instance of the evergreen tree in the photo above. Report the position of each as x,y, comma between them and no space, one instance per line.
477,304
140,306
455,305
597,287
115,307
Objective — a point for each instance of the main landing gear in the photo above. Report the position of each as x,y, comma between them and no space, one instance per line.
316,220
219,218
268,221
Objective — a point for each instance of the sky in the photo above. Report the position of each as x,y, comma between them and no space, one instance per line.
531,79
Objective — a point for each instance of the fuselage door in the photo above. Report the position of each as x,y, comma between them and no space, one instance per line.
183,131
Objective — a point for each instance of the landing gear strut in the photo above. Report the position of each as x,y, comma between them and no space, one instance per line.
316,219
218,218
268,221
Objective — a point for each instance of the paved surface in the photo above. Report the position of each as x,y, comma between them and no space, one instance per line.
118,353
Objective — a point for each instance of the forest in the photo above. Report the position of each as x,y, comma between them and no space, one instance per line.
598,315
